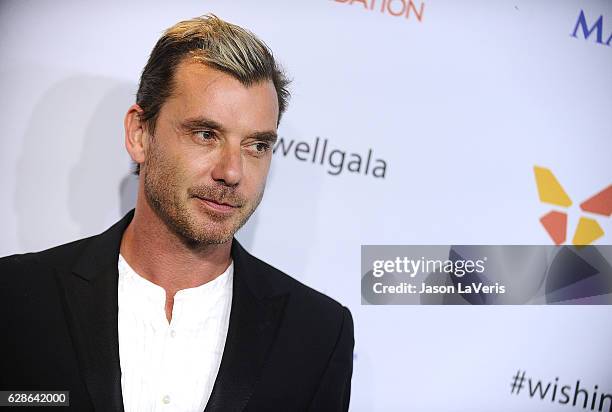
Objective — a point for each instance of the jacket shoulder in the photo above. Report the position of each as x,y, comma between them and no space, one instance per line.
301,293
24,263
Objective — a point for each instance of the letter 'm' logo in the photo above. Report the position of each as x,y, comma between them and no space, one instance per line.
596,28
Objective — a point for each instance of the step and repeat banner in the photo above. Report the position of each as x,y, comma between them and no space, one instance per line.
417,131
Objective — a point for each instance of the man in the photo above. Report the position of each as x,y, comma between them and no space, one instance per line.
165,310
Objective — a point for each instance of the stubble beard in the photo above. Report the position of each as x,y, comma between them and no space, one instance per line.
160,177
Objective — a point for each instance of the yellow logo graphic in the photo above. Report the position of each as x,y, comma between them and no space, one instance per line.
555,222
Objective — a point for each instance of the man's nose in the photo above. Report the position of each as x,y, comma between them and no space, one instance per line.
228,169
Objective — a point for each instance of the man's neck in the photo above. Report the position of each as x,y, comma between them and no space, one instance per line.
157,253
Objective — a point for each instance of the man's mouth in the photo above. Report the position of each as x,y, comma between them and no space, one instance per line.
217,205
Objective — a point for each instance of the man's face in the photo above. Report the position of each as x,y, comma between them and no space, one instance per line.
206,165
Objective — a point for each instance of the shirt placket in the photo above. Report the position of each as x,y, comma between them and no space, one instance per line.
170,375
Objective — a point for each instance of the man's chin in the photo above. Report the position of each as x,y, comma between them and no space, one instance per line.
202,226
206,231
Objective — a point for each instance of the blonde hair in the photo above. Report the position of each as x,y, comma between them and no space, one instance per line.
216,43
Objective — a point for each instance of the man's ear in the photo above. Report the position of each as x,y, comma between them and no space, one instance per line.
135,135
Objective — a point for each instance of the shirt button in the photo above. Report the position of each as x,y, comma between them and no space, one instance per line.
166,399
172,333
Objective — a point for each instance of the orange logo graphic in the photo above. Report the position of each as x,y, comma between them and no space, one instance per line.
395,8
555,222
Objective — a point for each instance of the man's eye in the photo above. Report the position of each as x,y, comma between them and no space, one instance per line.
261,147
205,134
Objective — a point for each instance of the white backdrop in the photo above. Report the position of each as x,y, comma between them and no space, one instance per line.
461,106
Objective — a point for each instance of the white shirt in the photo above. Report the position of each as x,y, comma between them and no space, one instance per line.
170,367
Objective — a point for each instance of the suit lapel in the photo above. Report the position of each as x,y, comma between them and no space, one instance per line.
90,303
254,319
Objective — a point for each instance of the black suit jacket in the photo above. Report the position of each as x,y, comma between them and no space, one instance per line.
288,347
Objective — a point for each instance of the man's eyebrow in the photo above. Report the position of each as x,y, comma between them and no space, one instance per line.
204,123
269,137
201,123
